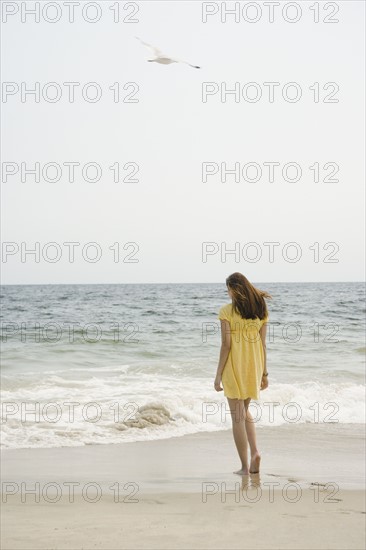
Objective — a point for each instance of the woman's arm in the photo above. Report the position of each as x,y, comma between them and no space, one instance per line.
263,333
224,351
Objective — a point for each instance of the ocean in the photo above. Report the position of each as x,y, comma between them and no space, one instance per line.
105,364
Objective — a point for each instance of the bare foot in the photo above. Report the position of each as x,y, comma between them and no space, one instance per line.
242,472
254,463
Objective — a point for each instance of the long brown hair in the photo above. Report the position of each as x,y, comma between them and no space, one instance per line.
248,301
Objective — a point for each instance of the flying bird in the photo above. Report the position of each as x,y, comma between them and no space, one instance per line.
162,58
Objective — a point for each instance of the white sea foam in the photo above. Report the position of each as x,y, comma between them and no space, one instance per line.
105,412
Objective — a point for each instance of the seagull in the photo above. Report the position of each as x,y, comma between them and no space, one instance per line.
162,58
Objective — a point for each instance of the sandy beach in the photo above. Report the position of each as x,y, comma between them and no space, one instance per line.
181,493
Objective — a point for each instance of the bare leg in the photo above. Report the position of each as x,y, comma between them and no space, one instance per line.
255,456
238,414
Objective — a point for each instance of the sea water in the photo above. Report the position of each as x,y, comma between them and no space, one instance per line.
99,364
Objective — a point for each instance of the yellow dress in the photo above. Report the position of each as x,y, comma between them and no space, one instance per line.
242,374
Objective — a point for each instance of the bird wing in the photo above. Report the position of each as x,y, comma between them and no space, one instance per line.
156,51
186,62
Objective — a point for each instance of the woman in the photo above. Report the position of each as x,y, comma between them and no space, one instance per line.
242,365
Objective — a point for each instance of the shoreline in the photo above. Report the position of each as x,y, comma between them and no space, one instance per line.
311,453
181,492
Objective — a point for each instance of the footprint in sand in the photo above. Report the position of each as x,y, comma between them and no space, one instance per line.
345,511
294,515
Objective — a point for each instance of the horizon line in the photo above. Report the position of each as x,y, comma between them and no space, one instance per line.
176,283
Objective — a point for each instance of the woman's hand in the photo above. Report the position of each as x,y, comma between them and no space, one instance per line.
264,382
217,383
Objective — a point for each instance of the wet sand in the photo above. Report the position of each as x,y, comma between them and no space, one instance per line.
182,493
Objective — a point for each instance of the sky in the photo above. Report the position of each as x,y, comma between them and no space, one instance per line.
183,175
